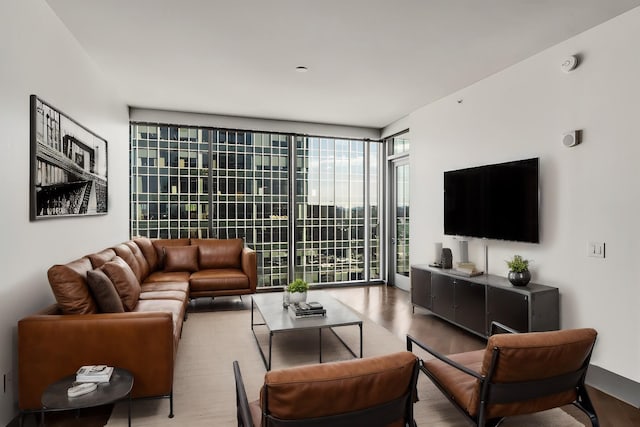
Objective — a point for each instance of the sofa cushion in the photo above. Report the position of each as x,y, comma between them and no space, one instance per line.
104,292
124,280
165,276
218,279
218,253
165,286
142,261
99,258
176,295
124,252
160,244
69,286
149,252
176,308
181,258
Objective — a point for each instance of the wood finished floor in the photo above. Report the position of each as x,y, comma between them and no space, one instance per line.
392,309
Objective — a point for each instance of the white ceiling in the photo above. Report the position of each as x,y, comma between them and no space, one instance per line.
370,61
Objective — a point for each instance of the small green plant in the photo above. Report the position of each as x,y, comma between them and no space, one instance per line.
298,285
518,264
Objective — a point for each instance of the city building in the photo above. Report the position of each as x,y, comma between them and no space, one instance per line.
320,223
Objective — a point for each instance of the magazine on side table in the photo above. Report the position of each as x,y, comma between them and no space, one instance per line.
94,374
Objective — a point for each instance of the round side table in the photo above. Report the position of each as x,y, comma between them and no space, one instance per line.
119,387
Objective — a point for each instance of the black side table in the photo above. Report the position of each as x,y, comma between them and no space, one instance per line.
119,387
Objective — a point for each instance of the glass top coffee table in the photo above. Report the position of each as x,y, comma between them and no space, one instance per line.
277,319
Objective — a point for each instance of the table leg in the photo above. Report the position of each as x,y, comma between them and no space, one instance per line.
129,410
270,343
320,342
252,314
360,340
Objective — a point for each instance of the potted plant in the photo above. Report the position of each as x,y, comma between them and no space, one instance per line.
296,291
519,274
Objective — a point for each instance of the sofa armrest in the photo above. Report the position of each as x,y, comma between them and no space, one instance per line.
52,346
250,267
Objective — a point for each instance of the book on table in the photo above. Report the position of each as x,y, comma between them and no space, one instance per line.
303,309
94,374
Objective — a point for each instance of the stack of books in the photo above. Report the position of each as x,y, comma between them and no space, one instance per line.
94,374
300,310
467,269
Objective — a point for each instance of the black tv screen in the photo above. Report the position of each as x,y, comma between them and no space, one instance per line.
498,201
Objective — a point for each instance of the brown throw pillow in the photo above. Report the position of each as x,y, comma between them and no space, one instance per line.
124,252
69,286
219,253
104,292
124,280
149,252
181,258
160,244
99,258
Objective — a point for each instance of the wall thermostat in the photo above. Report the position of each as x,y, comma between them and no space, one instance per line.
569,64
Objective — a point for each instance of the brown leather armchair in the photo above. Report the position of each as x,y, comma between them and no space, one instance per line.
374,391
517,373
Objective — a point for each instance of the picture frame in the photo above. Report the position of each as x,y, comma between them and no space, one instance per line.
68,166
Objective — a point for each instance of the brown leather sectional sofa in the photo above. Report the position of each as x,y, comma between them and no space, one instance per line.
124,306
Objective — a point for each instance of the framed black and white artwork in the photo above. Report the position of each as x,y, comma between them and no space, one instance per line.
68,166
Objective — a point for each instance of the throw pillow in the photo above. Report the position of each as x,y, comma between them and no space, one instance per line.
124,280
149,252
104,292
99,258
219,253
124,252
181,258
160,244
69,286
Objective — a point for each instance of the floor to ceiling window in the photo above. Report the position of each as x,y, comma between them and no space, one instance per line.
331,243
399,209
205,182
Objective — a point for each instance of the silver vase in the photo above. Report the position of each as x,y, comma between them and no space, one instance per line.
519,279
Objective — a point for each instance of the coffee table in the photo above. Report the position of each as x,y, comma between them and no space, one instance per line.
277,319
119,387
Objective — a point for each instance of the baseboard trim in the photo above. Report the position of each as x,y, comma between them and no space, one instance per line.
614,385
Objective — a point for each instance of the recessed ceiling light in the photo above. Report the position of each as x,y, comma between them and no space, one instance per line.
301,69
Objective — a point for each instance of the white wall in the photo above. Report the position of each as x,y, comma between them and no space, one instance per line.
589,192
39,56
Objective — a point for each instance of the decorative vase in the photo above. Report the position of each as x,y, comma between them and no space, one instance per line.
519,279
285,298
295,297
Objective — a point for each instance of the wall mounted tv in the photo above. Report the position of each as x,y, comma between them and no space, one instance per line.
498,201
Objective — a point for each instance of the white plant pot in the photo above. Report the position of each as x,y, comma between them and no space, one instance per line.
295,297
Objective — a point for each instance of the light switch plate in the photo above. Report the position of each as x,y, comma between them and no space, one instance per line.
596,249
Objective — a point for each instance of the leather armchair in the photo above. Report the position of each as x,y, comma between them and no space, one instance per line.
517,373
374,391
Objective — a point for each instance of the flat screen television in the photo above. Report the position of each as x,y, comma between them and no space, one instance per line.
498,201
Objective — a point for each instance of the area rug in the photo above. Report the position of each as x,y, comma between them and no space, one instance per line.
204,391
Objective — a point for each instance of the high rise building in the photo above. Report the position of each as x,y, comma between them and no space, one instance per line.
320,223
